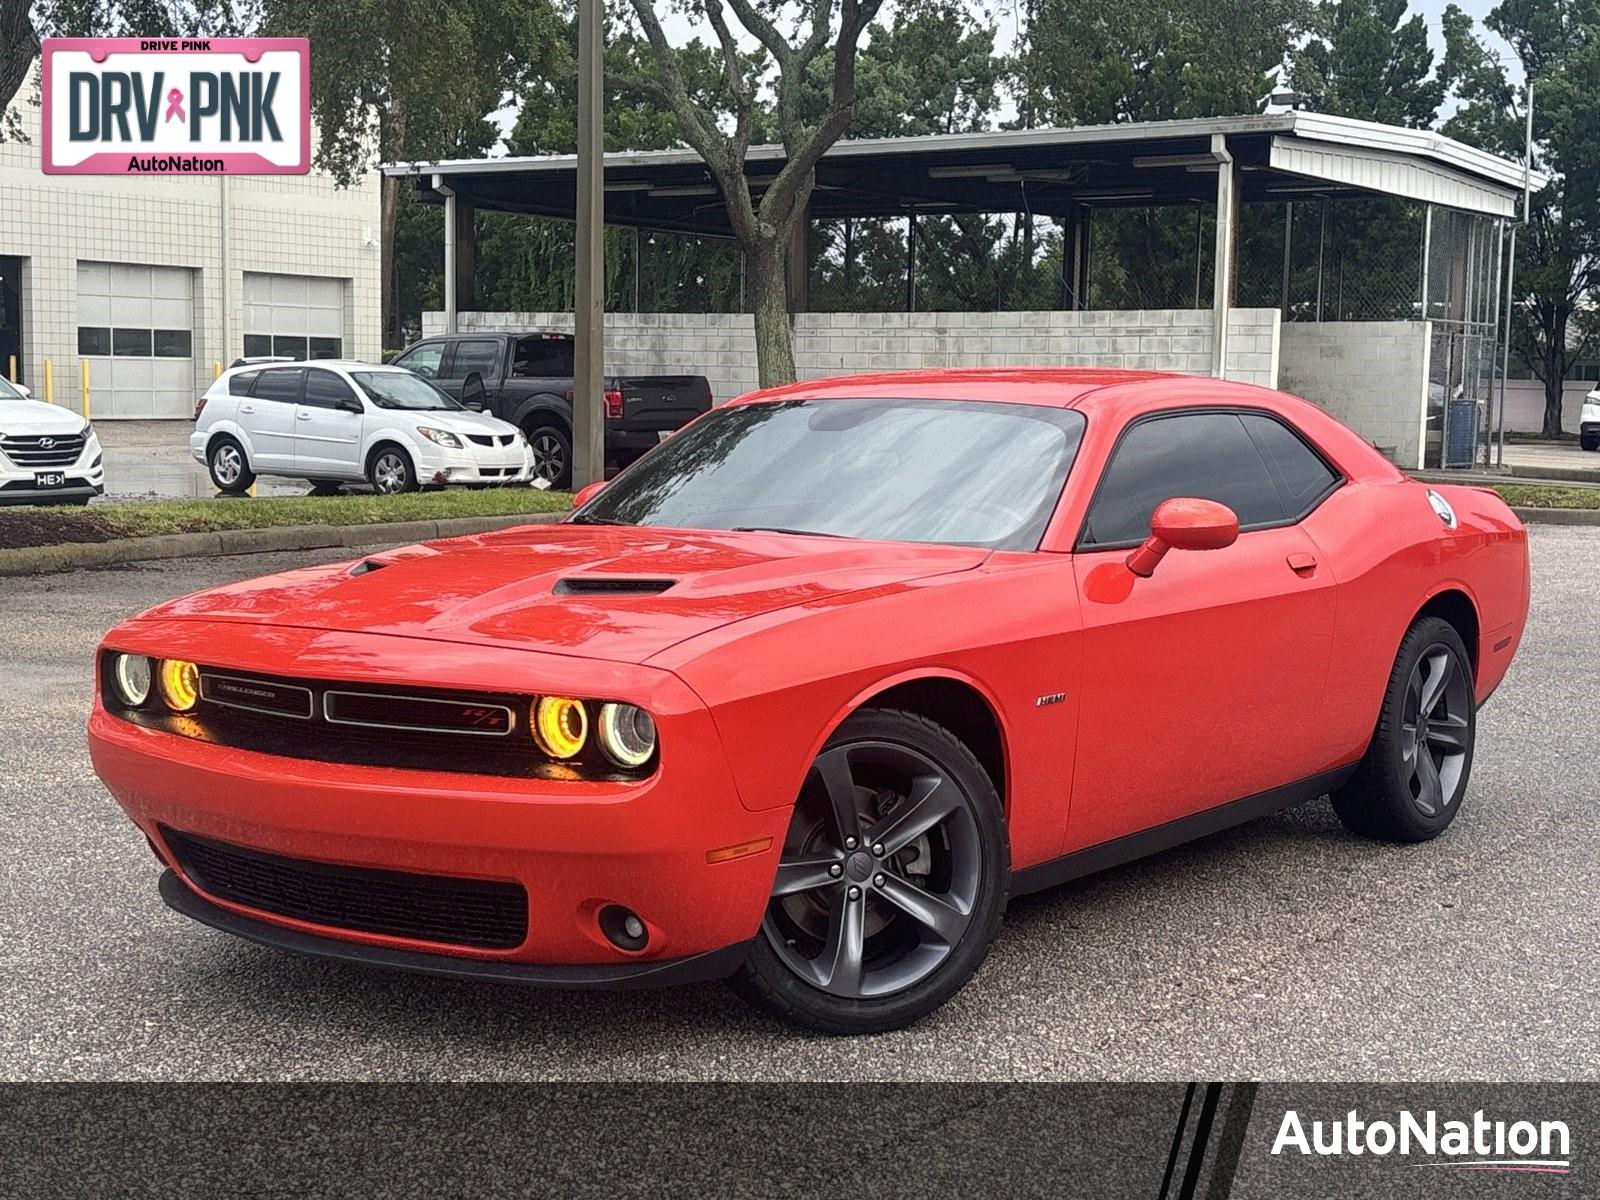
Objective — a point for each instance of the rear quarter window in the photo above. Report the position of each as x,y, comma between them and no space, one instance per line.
240,384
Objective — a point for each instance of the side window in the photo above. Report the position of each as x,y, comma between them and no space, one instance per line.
543,358
425,360
1204,454
324,389
239,385
474,356
282,385
1302,476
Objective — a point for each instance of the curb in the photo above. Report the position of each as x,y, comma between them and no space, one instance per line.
1558,516
71,556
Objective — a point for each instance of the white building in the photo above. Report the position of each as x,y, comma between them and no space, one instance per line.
156,282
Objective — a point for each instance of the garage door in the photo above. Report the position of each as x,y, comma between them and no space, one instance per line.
300,316
136,328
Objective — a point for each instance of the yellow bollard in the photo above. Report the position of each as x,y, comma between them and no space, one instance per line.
84,362
216,369
49,382
13,368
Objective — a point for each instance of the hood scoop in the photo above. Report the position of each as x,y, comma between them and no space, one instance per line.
610,585
366,566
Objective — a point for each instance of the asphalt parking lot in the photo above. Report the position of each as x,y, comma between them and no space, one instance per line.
1283,950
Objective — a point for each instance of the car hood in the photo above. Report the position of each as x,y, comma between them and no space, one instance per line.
35,416
619,593
463,422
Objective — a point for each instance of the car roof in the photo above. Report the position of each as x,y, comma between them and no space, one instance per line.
1058,387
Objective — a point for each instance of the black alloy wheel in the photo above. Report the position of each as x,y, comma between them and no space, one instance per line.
891,881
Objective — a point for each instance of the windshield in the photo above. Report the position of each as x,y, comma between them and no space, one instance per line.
402,389
953,472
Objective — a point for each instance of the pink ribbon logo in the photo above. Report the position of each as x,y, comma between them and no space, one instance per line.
175,105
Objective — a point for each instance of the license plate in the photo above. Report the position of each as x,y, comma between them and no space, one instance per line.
48,479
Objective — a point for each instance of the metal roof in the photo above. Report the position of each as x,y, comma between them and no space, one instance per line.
1283,156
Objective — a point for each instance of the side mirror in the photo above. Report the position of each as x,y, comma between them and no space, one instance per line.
350,404
22,391
1184,523
472,393
586,494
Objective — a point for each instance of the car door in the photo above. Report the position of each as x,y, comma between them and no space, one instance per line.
327,434
267,415
475,360
425,358
1202,683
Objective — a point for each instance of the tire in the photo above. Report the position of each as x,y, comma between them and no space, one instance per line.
1410,784
552,454
953,868
1590,441
390,471
230,469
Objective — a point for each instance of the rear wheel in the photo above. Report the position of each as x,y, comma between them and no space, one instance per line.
230,470
552,455
1410,785
891,884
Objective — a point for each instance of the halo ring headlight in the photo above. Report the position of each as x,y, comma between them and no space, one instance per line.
131,676
627,735
180,684
560,726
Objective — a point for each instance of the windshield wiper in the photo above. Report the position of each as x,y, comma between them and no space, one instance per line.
783,529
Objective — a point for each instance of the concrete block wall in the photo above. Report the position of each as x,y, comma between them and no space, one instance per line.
1372,375
721,346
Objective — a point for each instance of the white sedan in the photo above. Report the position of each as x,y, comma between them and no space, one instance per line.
48,454
348,422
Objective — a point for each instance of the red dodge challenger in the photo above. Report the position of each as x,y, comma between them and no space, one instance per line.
806,693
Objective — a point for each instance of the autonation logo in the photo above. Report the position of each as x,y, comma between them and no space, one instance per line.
1478,1144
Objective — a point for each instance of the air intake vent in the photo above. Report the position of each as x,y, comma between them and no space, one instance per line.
366,566
602,585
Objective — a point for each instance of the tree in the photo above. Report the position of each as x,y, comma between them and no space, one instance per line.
1558,253
409,80
762,226
1367,59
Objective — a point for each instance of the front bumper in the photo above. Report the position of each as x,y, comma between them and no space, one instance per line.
86,477
477,465
573,846
713,964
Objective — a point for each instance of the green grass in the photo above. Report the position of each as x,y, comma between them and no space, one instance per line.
1548,495
31,526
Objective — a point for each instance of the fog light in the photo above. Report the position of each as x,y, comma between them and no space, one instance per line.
560,726
180,684
623,928
131,675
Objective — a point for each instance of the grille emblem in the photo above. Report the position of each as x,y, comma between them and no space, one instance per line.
47,443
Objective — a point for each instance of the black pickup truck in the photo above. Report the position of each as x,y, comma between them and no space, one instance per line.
526,378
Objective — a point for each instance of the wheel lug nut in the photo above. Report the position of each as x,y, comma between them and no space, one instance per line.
849,843
855,893
836,870
877,848
877,881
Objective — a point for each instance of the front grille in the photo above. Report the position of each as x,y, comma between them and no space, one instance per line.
43,450
479,733
491,439
425,908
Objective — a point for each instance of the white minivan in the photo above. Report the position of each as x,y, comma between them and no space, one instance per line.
348,422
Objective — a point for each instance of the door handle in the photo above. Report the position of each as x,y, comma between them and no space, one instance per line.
303,416
1302,563
247,408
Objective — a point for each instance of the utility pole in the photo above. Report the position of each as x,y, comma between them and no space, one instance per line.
588,420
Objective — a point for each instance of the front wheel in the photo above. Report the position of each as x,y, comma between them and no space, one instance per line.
891,883
1589,441
390,471
552,456
1410,785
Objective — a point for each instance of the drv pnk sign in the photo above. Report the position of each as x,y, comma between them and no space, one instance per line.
177,106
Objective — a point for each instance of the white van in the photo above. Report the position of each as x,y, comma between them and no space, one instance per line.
348,422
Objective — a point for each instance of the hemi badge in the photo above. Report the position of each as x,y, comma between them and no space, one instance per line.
1052,698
